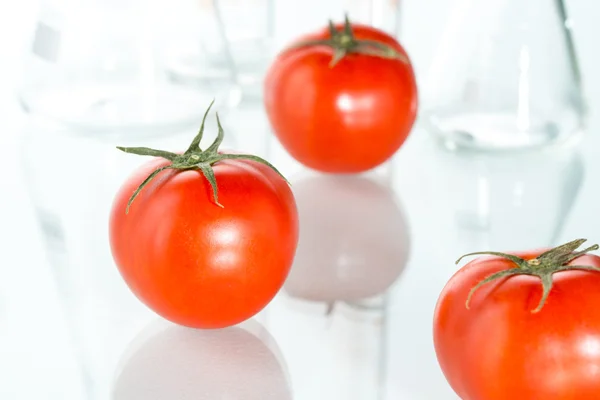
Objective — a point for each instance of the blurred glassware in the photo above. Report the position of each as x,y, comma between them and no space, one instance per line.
249,126
231,41
166,361
311,15
353,246
80,74
505,77
249,33
95,78
511,202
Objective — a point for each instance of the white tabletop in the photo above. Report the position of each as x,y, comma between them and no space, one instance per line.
377,349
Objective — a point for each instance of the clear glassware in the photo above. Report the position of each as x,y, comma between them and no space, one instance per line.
310,15
249,33
511,201
505,77
96,77
231,41
80,73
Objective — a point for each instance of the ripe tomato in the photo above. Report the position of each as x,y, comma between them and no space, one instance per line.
345,118
512,343
191,261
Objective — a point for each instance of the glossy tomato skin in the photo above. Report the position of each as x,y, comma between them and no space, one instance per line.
197,264
343,119
498,349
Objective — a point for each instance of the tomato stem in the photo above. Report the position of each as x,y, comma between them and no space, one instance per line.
194,158
543,266
343,42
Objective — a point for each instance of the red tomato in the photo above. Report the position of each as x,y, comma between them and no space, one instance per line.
506,347
198,264
346,118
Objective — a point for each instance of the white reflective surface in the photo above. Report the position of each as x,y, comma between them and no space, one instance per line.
334,332
166,361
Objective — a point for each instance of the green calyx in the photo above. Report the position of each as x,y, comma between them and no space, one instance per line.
194,158
344,42
543,266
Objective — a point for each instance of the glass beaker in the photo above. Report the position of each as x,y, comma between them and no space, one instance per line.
95,77
511,201
83,74
243,47
311,15
250,32
505,77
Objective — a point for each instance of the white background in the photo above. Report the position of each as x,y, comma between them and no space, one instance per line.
32,338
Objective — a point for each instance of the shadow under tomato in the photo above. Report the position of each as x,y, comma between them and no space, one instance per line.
167,361
354,240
